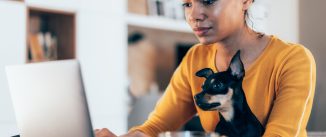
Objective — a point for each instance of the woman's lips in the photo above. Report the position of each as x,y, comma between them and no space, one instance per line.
201,31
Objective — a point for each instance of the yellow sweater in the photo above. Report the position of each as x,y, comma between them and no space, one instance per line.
279,88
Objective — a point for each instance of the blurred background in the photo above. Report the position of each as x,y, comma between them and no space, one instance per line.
128,49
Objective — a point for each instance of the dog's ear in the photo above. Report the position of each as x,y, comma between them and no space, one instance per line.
236,67
204,72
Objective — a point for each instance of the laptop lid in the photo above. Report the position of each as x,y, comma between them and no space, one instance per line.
49,99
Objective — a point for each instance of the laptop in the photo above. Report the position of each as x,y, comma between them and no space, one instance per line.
49,99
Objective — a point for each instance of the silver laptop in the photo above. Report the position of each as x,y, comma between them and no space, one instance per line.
49,99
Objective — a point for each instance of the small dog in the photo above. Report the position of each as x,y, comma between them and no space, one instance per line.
223,92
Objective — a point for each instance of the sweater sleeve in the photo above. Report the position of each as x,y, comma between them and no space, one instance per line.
294,96
175,107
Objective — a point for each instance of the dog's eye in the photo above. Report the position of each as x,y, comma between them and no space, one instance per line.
214,86
219,85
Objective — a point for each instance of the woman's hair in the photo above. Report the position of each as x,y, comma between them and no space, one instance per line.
247,18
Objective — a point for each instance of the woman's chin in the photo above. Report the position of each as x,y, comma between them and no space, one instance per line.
206,41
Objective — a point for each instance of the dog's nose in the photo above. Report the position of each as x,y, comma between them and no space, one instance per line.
198,96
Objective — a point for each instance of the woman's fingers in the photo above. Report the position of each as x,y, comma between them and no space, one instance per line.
104,132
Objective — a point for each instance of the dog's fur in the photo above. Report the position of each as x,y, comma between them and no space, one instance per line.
223,92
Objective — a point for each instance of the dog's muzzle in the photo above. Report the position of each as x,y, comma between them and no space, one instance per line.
202,103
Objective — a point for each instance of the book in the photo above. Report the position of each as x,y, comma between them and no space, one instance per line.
159,7
35,47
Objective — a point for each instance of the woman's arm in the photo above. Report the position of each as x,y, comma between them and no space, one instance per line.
294,96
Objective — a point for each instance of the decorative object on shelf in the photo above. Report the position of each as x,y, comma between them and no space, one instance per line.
43,47
50,42
155,7
166,8
138,7
173,9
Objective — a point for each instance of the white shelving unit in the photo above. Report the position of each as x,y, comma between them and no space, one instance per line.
100,46
157,22
62,5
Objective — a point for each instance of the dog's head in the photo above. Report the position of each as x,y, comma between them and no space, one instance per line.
219,89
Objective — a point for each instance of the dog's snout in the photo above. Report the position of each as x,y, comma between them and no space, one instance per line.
198,96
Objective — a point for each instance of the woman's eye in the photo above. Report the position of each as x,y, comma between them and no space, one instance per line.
208,2
186,5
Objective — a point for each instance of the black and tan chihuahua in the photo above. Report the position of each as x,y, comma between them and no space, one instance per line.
222,92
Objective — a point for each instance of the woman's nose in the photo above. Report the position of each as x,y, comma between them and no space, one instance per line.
196,14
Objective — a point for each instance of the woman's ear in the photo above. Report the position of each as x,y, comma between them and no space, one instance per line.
246,4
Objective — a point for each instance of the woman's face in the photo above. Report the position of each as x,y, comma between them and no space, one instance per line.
215,20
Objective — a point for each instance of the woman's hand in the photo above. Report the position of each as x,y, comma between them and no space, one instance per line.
104,132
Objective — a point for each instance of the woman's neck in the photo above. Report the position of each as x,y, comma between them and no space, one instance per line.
245,40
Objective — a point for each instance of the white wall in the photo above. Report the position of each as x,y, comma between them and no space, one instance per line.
277,17
102,49
12,51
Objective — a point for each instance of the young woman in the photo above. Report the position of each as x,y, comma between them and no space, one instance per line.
279,82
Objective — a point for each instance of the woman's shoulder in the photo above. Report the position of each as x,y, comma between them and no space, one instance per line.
284,51
284,48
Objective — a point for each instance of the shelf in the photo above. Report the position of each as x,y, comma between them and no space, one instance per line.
161,23
60,25
62,5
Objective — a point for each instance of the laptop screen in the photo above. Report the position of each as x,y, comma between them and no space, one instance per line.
49,99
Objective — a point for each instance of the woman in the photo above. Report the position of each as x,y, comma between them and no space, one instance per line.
279,81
